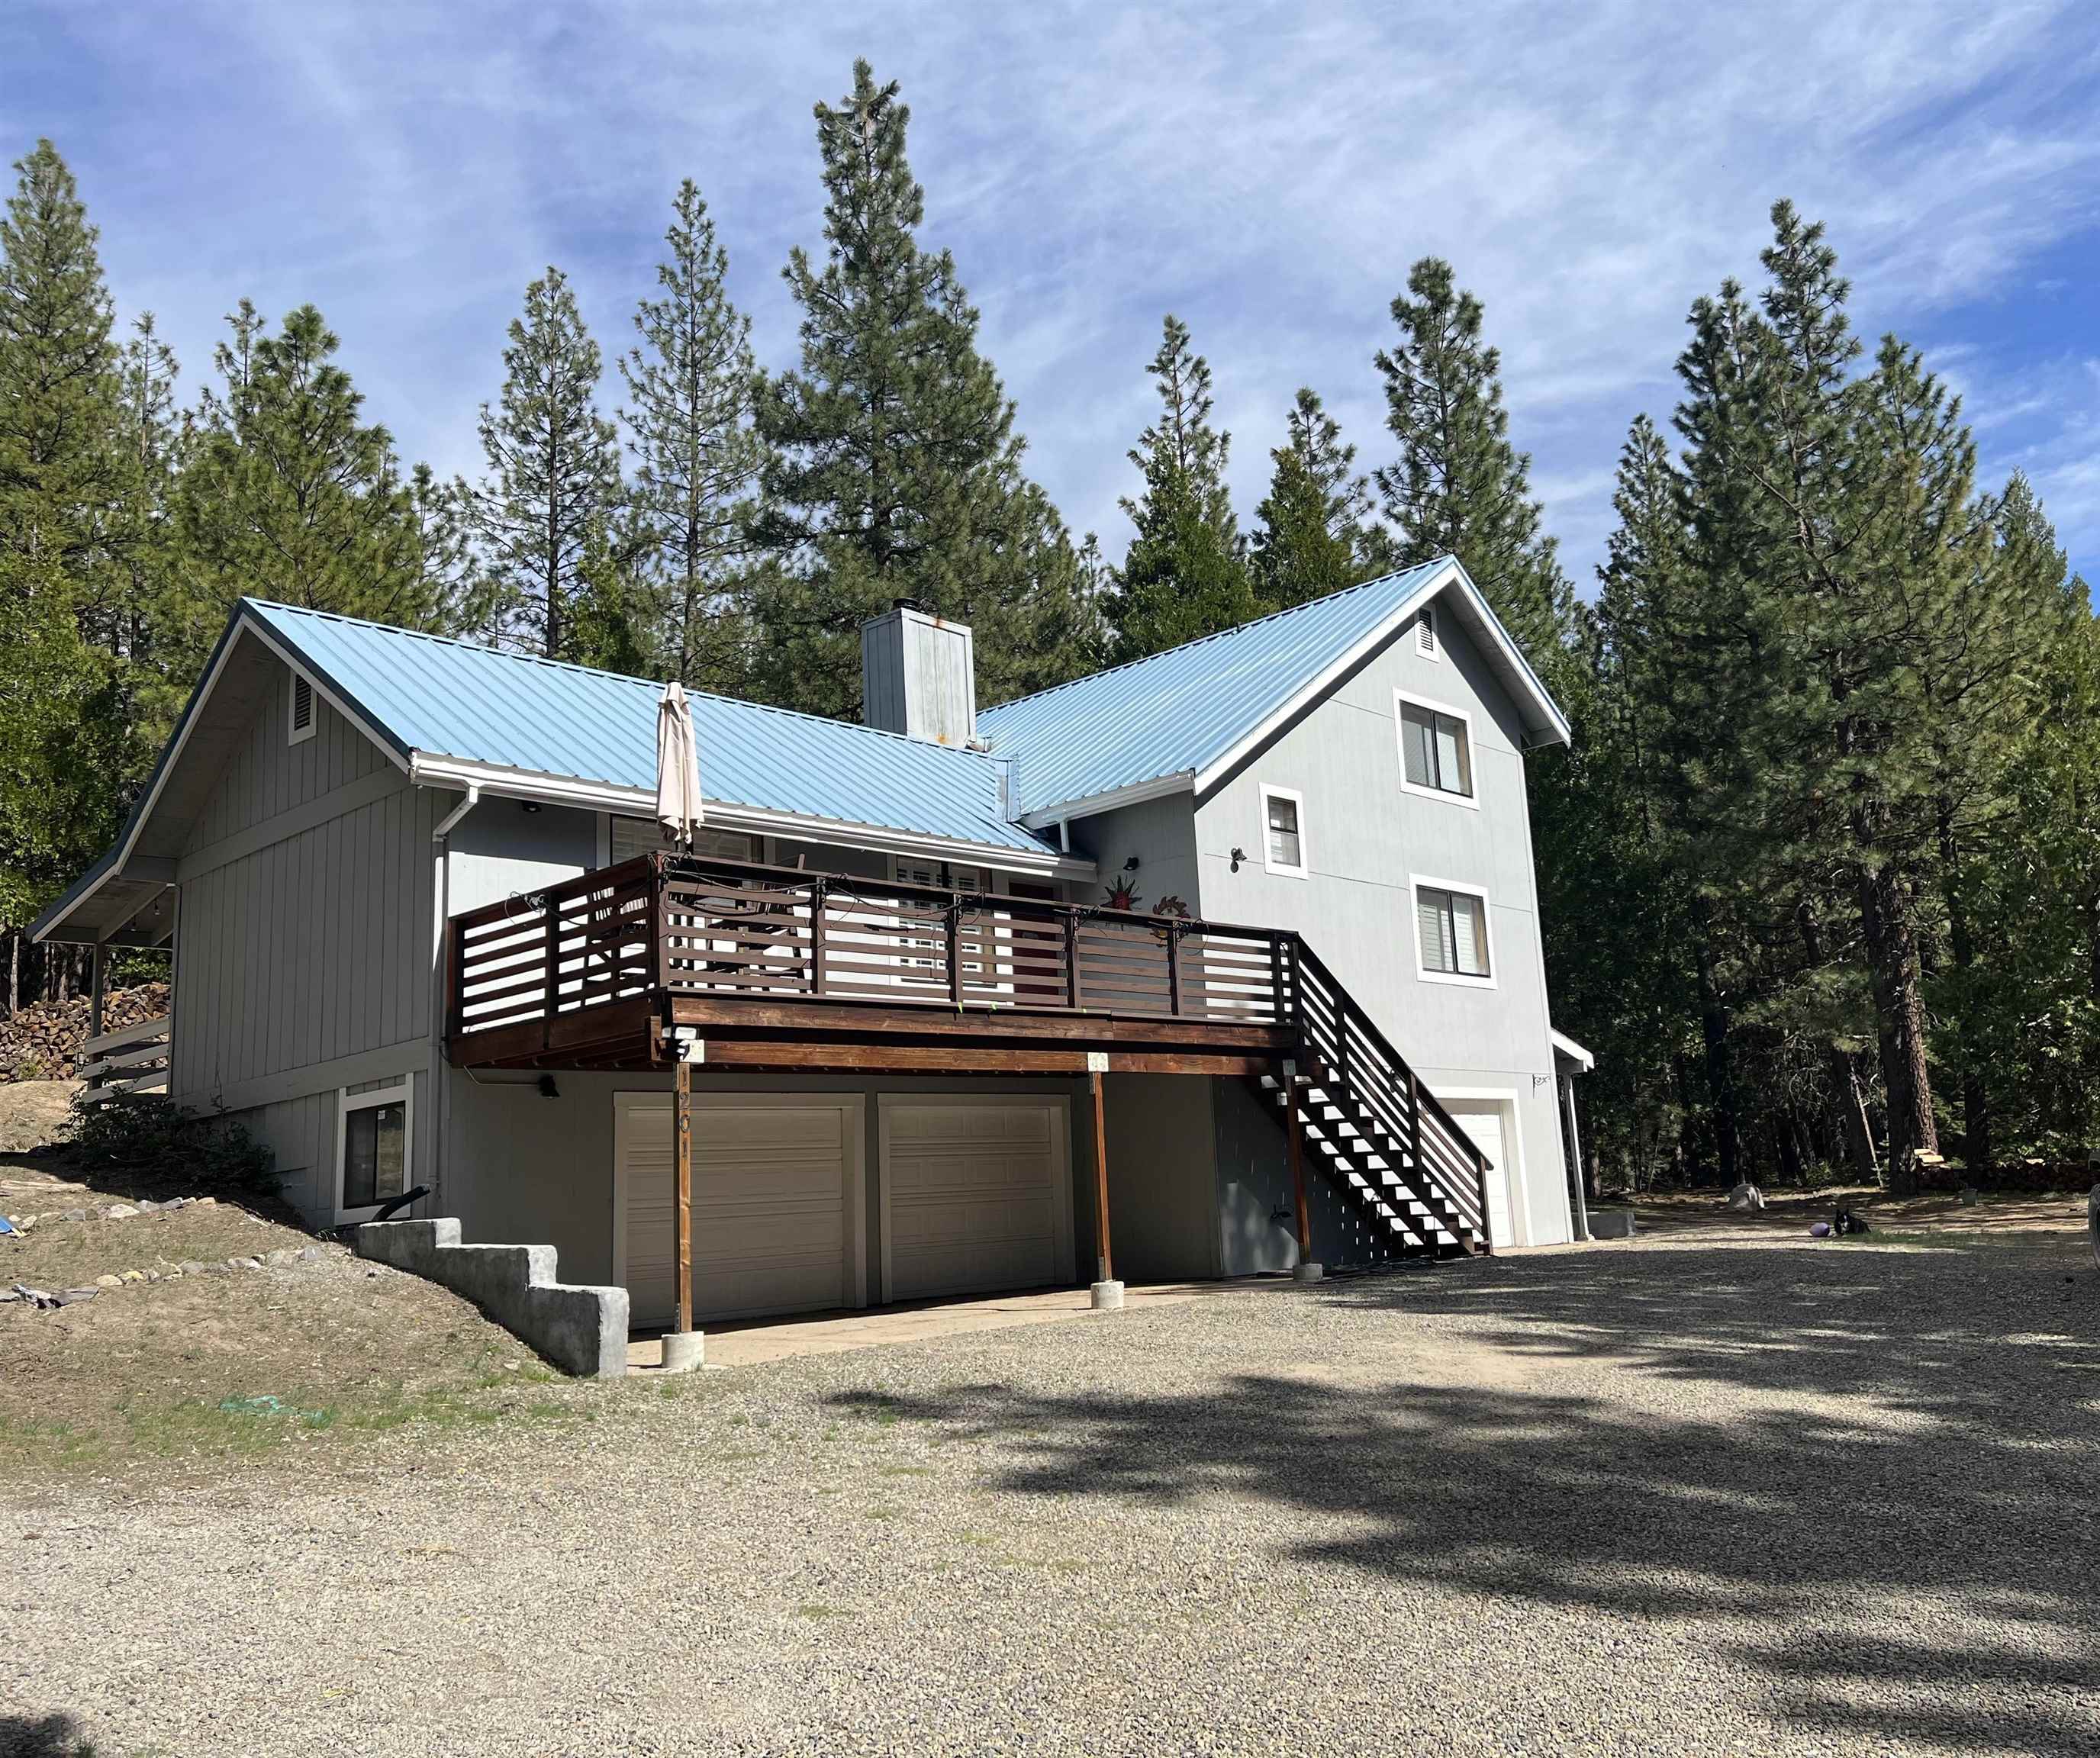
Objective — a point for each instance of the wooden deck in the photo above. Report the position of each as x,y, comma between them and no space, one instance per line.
667,962
772,968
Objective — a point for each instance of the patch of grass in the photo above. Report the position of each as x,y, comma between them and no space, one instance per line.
816,1611
231,1372
908,1470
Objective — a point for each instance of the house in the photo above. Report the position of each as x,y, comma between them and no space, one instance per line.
1211,963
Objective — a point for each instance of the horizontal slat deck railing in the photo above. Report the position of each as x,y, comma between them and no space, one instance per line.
132,1060
674,926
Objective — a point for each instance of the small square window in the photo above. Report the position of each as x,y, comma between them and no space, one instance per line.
1283,831
1435,750
1451,927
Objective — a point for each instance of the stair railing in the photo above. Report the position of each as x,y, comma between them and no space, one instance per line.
1336,1031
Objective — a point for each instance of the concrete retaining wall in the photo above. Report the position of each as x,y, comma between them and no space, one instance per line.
581,1330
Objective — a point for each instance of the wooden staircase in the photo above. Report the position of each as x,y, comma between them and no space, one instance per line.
1381,1137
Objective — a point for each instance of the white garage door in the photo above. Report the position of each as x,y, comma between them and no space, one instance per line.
776,1212
1485,1128
977,1196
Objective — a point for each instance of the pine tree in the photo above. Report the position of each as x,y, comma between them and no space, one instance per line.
1459,487
553,471
1185,574
1985,670
65,757
690,383
1317,535
286,492
60,461
895,469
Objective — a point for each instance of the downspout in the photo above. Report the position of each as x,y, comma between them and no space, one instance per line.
440,913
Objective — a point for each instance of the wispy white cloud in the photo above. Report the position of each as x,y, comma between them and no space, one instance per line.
1269,173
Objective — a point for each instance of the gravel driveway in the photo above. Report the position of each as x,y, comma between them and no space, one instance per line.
1711,1499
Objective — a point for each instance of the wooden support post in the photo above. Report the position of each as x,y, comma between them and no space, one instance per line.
682,1107
819,902
954,940
100,967
1103,1263
1072,997
1295,1131
1174,969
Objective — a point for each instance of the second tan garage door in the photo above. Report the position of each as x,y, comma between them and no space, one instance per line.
977,1196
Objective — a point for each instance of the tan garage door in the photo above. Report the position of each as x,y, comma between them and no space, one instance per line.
977,1196
776,1204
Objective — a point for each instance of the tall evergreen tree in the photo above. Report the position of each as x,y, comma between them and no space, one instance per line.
553,471
1316,533
895,469
691,382
65,747
287,492
1185,574
1458,487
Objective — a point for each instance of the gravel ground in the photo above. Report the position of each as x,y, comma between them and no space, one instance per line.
1705,1498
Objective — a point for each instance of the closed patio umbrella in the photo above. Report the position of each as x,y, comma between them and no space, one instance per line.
677,768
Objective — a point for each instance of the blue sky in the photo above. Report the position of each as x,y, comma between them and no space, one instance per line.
1268,173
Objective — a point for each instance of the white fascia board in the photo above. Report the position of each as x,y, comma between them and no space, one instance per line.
170,758
1451,573
1573,1052
426,771
356,717
1089,805
1329,674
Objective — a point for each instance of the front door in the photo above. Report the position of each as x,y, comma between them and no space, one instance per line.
1484,1127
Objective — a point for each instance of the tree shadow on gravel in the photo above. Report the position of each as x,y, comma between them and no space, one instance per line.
1922,1558
43,1737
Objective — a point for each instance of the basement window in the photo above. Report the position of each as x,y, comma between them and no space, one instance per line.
302,721
374,1149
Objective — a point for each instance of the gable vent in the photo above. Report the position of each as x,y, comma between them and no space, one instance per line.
1425,634
302,709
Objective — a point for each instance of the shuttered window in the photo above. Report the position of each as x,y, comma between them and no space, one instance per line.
1452,929
641,836
1436,749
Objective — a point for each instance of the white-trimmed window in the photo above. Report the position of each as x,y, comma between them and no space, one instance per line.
642,836
1283,831
303,710
1451,933
1436,748
375,1149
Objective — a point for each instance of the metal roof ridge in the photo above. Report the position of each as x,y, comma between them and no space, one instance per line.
1272,616
544,662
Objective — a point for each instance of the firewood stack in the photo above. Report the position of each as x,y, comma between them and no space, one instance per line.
42,1043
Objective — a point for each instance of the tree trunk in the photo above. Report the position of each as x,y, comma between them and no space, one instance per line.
1720,1072
1976,1146
1853,1128
1892,961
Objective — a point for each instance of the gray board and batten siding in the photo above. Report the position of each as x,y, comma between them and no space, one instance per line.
306,939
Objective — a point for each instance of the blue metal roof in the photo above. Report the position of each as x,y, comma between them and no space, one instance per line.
446,698
1175,713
